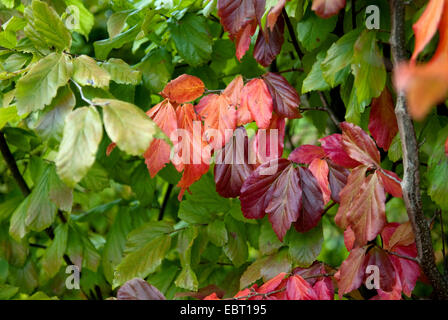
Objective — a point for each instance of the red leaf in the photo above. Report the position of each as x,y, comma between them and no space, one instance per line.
391,182
324,289
213,296
184,88
367,212
378,257
232,166
348,194
278,193
320,170
219,114
426,26
158,153
257,99
269,43
285,98
359,146
243,39
306,154
312,201
138,289
110,148
233,91
327,8
298,289
274,13
334,150
349,238
273,284
351,272
268,144
236,14
382,122
337,178
192,152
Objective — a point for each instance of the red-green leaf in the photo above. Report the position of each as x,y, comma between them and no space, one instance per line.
334,150
257,99
359,146
285,98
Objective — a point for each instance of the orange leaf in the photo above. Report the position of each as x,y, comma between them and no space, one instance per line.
320,170
327,8
351,272
158,153
242,39
183,89
233,90
257,99
219,114
426,26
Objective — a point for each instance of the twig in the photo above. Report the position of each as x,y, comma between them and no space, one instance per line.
445,262
165,201
83,97
291,70
292,34
329,207
411,177
416,260
12,165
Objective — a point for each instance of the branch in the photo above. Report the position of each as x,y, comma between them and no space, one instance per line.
330,112
292,34
411,178
165,201
416,260
11,163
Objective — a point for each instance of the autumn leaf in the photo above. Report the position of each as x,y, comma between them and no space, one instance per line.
382,121
284,97
320,170
256,98
359,146
243,39
298,289
233,91
327,8
334,150
219,114
184,88
268,144
269,43
306,154
235,15
391,182
351,272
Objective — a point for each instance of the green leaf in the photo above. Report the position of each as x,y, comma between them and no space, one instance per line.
50,125
80,249
142,262
187,278
7,291
104,47
128,126
60,194
142,184
82,134
217,233
192,38
8,114
315,81
368,68
40,85
84,20
350,98
87,73
305,247
46,27
236,248
52,259
336,65
17,227
156,69
96,179
146,233
395,152
268,240
121,72
438,171
313,31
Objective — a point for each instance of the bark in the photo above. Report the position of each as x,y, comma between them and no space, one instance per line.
411,178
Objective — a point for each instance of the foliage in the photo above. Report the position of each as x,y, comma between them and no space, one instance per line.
216,149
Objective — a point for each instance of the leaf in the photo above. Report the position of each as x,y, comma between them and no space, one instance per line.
233,91
46,27
236,248
306,154
333,148
60,194
8,114
192,38
232,166
438,170
138,289
367,213
268,241
315,81
305,247
40,85
143,186
121,72
268,144
53,256
327,8
117,115
158,153
142,262
335,66
104,47
312,201
378,257
85,18
313,31
382,122
391,182
187,278
269,43
235,15
243,39
17,226
426,26
337,178
50,125
184,88
87,73
351,272
298,289
368,68
284,97
217,233
82,134
319,169
257,99
219,118
156,69
359,146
